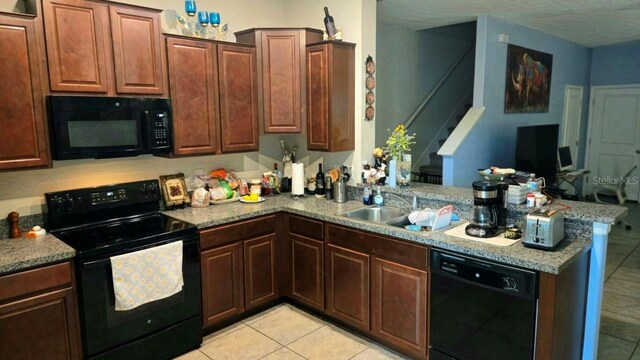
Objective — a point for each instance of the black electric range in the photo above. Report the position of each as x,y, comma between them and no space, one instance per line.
107,221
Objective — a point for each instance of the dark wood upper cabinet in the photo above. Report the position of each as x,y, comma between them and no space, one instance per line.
330,96
399,305
222,283
104,48
307,271
238,97
77,47
281,75
259,270
347,286
22,120
193,83
137,51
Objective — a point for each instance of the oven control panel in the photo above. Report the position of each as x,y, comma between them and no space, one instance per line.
110,196
123,197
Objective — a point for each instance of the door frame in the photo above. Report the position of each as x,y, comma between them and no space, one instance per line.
587,155
564,115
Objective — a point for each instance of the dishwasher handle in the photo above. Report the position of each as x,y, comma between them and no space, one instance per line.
493,276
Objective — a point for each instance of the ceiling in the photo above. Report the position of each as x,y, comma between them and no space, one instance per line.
587,22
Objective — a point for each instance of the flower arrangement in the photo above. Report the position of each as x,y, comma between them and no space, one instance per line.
399,142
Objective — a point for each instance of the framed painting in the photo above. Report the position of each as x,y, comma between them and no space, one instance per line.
174,190
528,80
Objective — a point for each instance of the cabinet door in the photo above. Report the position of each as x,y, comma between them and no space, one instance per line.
259,270
399,305
238,98
194,96
317,98
137,51
281,81
77,46
24,136
347,286
222,283
40,326
307,271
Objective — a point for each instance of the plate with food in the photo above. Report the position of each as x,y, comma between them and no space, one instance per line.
251,199
496,173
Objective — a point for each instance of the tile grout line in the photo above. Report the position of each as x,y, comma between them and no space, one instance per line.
285,345
278,349
293,351
622,262
637,348
363,350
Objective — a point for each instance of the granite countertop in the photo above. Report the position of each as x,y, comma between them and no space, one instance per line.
579,210
24,253
321,209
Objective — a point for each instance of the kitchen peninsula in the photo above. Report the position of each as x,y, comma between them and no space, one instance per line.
289,248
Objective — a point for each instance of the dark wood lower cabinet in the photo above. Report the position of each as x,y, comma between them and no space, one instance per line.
40,327
347,286
307,267
399,305
222,283
259,270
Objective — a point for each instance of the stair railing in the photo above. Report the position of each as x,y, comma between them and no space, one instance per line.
444,78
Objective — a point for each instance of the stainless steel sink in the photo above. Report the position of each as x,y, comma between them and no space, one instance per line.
374,214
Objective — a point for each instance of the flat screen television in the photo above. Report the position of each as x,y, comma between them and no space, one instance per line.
537,151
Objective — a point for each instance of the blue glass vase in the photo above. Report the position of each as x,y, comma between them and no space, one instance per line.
203,18
214,18
190,7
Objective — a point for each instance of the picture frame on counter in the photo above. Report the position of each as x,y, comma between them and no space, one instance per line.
174,190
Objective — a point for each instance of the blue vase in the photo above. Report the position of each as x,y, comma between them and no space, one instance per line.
392,172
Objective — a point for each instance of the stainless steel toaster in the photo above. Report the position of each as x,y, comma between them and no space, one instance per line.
544,229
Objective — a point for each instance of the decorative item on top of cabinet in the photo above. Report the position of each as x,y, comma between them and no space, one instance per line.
193,83
22,116
370,84
238,97
330,96
281,75
104,48
199,28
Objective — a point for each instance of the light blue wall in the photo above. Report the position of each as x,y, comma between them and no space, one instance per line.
492,140
616,64
409,65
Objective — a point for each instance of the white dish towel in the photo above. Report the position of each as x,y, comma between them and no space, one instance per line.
147,275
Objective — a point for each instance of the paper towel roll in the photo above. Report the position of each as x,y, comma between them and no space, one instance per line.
297,180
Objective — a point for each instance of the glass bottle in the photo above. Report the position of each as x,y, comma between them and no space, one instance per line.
320,181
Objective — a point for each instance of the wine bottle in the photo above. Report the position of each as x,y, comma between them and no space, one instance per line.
329,24
320,181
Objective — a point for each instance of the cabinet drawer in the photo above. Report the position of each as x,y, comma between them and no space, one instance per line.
237,231
35,280
415,256
306,227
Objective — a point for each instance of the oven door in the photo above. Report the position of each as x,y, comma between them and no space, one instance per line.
105,328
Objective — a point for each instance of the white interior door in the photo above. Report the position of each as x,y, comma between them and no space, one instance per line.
614,136
571,120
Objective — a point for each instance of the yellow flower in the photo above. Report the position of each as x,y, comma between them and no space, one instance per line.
399,128
377,152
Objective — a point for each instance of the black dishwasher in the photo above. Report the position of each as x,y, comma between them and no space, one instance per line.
481,310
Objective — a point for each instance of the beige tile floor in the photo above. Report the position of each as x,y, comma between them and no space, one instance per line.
286,333
620,320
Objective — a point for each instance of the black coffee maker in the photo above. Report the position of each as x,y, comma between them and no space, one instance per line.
490,209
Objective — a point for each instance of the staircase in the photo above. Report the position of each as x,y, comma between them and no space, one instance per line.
432,173
438,114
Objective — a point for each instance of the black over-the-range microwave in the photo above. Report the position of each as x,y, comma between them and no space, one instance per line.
105,127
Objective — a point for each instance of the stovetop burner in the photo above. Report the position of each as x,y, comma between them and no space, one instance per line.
116,236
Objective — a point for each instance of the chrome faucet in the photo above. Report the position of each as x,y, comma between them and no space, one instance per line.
413,204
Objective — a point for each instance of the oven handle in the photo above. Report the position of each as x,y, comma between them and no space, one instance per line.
96,263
